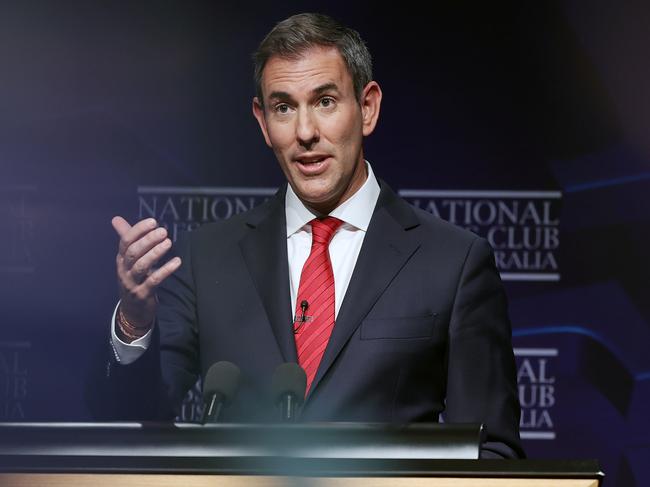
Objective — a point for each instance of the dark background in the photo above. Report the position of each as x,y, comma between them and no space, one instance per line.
98,98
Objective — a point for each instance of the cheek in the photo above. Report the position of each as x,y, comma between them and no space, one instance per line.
348,127
341,133
349,143
280,137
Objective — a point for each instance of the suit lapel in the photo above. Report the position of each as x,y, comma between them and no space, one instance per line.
264,249
386,248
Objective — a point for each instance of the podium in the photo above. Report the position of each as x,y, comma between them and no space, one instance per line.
233,455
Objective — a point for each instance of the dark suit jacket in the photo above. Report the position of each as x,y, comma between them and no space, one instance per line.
422,330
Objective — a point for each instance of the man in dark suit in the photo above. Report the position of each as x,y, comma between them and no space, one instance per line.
395,315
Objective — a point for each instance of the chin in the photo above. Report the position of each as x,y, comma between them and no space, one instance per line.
315,200
314,193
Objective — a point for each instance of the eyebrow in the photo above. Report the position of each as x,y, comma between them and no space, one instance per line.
324,88
283,95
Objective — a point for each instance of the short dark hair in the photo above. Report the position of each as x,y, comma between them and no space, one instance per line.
294,35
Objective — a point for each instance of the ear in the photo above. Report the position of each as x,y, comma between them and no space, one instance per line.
370,105
258,113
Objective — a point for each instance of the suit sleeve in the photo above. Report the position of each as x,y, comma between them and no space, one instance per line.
481,373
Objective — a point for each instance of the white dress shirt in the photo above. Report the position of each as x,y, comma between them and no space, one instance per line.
345,245
344,249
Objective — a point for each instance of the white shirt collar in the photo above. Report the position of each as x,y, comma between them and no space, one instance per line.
355,211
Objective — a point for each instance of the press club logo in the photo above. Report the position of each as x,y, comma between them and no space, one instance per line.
521,226
536,388
182,209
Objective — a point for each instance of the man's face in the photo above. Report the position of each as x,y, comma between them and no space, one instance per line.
315,124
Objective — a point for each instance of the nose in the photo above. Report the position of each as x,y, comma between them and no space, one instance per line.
307,132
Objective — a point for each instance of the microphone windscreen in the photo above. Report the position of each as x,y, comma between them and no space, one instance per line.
288,378
223,378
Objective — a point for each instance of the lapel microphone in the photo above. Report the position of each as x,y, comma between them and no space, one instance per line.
304,304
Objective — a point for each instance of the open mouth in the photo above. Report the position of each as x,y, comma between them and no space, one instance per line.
315,160
313,166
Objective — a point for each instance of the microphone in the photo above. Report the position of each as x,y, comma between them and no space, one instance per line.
288,389
219,389
304,304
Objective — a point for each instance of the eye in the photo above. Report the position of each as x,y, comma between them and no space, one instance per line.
281,108
327,102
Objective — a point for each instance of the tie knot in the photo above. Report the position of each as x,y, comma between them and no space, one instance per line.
324,229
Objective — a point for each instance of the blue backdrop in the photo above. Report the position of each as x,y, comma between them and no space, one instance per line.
524,121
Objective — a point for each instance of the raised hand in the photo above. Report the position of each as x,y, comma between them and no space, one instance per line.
141,247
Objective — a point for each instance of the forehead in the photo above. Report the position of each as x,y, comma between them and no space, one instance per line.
314,67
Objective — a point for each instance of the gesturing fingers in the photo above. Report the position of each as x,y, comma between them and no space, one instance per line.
134,252
120,225
142,267
141,247
162,273
134,233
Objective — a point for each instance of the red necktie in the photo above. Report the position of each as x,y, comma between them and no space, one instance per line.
314,318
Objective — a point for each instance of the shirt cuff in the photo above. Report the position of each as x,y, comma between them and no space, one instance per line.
126,353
